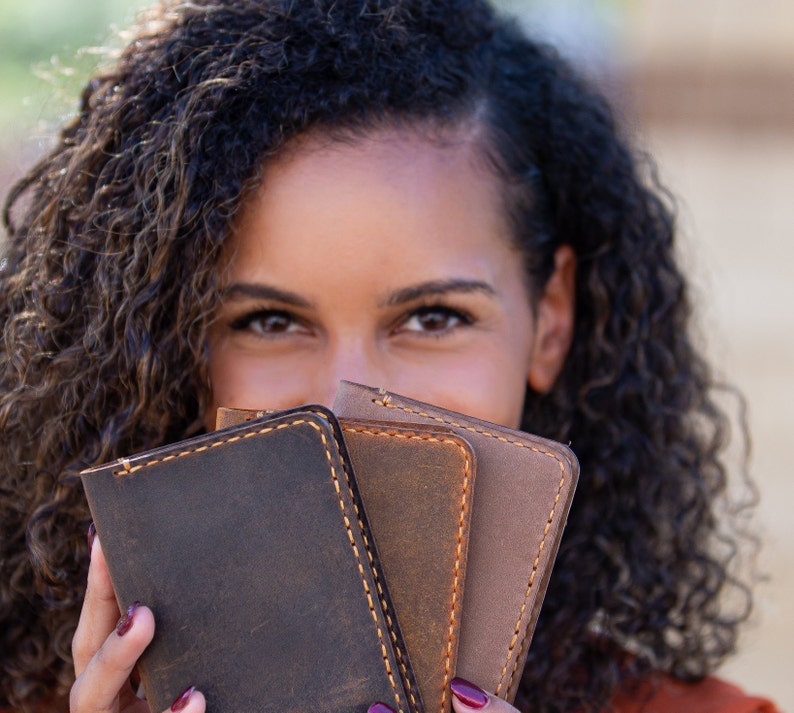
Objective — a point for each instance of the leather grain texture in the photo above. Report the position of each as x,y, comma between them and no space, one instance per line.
417,485
252,547
525,485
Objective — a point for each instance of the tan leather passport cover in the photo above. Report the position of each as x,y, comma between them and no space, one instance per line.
416,483
524,489
253,550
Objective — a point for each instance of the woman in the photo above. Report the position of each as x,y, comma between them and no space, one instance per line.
262,198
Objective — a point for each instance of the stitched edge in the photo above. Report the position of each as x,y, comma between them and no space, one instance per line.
385,402
461,528
532,576
373,571
385,609
127,469
381,596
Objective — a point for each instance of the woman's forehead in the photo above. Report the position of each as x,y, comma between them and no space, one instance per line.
380,201
317,170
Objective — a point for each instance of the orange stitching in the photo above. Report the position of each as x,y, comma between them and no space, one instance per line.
461,527
386,404
532,575
384,608
471,429
373,612
198,449
201,449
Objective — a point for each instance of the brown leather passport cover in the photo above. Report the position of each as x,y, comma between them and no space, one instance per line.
416,483
417,486
525,485
252,547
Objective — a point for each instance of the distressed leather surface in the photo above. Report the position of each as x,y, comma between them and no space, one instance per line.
417,485
525,485
252,548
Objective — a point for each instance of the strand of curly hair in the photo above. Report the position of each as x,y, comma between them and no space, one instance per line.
110,279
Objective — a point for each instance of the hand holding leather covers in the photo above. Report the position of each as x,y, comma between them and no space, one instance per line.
253,550
297,563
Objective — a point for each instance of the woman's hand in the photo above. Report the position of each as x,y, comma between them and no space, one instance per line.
105,649
466,698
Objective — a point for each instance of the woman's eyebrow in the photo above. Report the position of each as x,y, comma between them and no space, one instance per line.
436,287
255,290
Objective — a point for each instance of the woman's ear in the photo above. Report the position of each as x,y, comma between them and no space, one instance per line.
554,315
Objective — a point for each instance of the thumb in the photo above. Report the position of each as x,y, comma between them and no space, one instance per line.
468,698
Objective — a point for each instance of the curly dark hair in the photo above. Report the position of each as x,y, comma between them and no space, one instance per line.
109,281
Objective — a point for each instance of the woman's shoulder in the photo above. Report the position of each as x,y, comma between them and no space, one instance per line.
711,695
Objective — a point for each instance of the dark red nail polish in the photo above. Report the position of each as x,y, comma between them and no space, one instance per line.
468,694
125,623
183,699
380,708
91,535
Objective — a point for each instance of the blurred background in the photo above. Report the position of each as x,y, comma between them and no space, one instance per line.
707,88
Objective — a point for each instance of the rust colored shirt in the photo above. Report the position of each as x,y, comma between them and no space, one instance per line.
711,695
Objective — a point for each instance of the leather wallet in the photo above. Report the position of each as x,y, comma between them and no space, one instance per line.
253,549
417,484
525,485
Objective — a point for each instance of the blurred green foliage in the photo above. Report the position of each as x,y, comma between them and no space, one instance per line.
49,47
45,54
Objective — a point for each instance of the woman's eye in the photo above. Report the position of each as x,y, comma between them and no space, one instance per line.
434,320
268,322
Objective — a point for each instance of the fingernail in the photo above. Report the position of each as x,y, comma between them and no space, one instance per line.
380,708
468,694
183,699
125,623
91,535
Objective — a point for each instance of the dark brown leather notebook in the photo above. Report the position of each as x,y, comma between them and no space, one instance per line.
252,547
525,485
417,484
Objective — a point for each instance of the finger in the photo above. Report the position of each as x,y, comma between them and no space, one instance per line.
380,708
189,701
99,614
107,673
467,698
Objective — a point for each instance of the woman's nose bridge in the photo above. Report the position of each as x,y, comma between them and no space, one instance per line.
353,360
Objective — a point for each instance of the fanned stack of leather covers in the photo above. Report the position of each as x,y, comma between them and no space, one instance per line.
316,560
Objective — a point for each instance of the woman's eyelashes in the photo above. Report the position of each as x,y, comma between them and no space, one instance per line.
427,320
269,322
434,320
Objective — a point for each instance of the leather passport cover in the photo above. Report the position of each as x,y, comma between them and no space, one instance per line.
252,547
416,483
525,485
